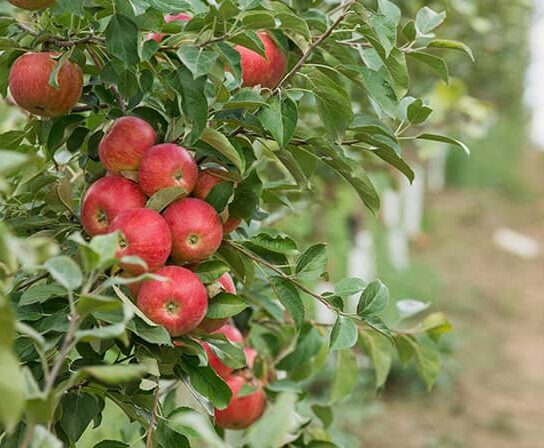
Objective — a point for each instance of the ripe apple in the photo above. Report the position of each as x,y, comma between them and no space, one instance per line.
179,303
208,179
158,37
196,229
105,199
32,5
123,147
29,84
144,234
233,335
241,411
227,284
167,165
257,70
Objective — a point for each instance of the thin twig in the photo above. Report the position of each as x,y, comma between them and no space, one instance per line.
73,321
60,41
31,281
153,419
315,44
113,88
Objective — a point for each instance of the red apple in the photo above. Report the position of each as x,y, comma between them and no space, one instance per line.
144,234
179,303
227,284
257,70
105,199
241,411
123,147
233,335
29,84
196,229
158,37
167,165
208,179
32,5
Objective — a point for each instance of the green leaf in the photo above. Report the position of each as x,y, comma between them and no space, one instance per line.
444,139
426,357
42,438
380,90
219,195
435,325
246,98
65,271
115,374
210,270
350,286
427,20
206,382
374,299
230,354
437,64
346,375
12,388
192,424
280,119
333,103
452,45
290,298
309,342
11,162
378,348
163,198
193,101
198,60
88,304
222,144
78,410
249,39
225,305
418,112
122,39
343,334
324,414
312,263
278,422
41,293
275,241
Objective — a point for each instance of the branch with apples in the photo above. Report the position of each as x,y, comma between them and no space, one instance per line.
136,269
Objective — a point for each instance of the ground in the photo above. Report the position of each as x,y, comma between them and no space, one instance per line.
496,302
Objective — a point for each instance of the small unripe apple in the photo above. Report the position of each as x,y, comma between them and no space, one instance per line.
227,284
208,179
241,411
32,5
233,335
124,145
158,37
196,229
105,199
179,303
29,84
167,165
145,234
257,70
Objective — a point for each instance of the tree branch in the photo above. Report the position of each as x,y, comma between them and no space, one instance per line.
61,41
315,44
153,419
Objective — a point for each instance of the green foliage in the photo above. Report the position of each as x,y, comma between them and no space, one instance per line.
72,337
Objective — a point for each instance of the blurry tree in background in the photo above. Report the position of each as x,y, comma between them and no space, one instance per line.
351,105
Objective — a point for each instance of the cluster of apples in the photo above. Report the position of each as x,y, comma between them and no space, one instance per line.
187,232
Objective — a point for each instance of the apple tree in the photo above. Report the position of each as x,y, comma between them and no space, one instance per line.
135,269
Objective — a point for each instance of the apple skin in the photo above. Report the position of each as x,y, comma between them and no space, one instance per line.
207,179
168,18
167,165
32,5
179,304
196,229
210,325
251,354
233,335
257,70
105,199
124,145
145,234
30,89
241,411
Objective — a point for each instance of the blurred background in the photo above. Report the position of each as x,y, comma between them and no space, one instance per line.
466,238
